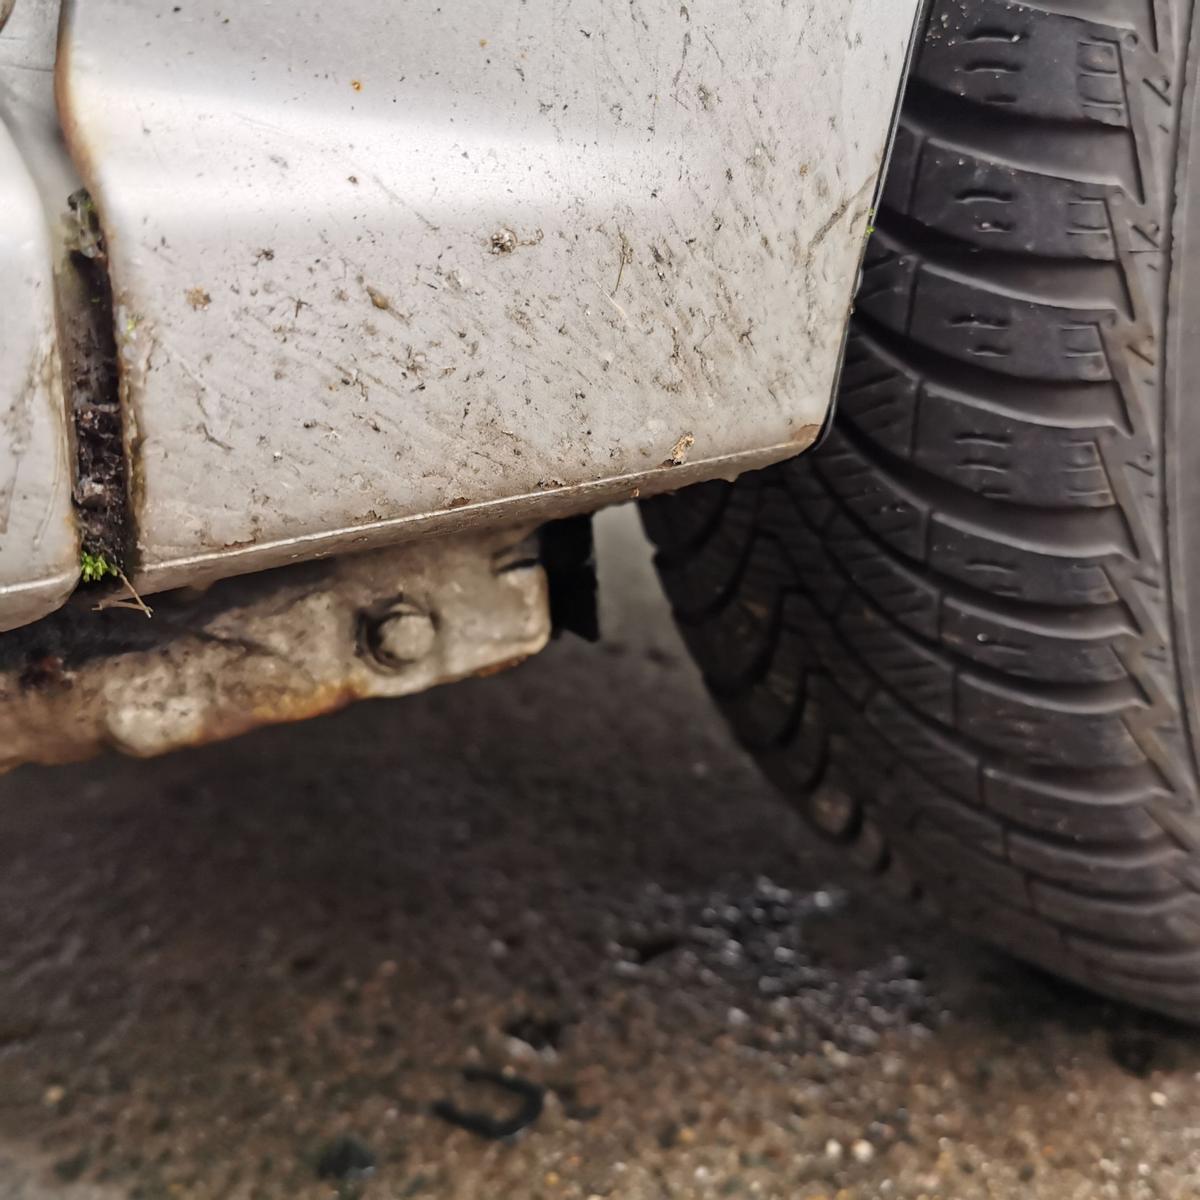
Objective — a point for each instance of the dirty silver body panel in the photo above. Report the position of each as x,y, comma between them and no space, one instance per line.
39,548
39,551
389,269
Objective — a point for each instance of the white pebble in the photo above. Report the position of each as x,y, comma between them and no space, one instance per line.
863,1151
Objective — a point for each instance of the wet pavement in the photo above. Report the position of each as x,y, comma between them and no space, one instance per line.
545,935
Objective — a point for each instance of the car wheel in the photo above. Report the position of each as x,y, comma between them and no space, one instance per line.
960,634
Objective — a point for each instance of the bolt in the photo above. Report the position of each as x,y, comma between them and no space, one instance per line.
404,634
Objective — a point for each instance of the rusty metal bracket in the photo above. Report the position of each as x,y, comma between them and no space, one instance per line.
280,646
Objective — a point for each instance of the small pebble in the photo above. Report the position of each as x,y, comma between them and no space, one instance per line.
863,1151
345,1158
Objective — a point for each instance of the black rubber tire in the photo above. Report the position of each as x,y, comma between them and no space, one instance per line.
957,633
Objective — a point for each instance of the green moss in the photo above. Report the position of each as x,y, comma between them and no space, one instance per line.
93,568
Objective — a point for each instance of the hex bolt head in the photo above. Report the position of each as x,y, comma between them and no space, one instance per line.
403,635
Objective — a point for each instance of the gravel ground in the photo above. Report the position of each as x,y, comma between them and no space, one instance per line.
541,936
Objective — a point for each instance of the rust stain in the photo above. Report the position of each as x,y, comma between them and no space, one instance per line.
498,668
275,709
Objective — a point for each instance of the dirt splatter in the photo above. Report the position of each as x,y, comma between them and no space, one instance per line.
378,298
504,241
679,451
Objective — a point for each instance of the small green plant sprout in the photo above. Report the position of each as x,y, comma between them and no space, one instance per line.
94,568
870,222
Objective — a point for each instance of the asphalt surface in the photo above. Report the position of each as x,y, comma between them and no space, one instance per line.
542,935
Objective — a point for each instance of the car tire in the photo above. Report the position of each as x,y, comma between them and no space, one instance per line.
960,634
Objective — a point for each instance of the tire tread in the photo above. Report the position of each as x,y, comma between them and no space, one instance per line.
946,634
